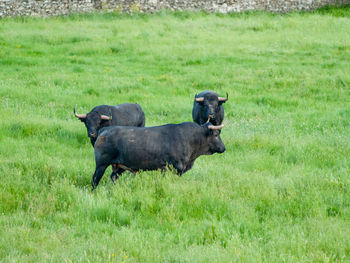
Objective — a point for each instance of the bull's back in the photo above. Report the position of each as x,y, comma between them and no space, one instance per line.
144,148
128,114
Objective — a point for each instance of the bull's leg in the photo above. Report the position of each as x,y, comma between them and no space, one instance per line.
98,175
179,168
179,172
114,174
163,170
120,171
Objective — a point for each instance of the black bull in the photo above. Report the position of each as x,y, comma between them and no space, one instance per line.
126,114
207,105
152,148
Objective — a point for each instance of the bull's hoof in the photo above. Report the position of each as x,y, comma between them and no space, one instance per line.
114,178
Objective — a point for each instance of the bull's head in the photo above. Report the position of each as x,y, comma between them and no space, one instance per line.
93,122
213,138
211,105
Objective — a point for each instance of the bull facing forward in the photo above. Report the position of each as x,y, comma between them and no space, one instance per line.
208,106
152,148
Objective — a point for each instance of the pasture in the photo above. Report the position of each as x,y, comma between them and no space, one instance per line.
280,192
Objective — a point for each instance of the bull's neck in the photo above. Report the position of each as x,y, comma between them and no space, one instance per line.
200,140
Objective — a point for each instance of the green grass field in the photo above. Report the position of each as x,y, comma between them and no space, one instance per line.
280,192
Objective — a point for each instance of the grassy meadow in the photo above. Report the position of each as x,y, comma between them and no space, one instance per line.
280,192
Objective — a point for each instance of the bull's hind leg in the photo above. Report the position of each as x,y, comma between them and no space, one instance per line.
98,175
164,170
179,167
116,172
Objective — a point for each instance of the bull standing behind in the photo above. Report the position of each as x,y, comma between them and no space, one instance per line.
152,148
208,106
126,114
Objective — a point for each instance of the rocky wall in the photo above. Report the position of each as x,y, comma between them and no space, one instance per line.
63,7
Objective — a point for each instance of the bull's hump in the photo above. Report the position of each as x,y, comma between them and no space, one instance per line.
124,105
99,108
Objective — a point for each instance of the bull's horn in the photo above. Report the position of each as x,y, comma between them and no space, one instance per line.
199,99
80,116
105,117
223,99
219,127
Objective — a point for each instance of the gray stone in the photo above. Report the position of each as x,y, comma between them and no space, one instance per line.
63,7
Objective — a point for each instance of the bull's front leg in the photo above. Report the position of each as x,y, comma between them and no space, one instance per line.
98,175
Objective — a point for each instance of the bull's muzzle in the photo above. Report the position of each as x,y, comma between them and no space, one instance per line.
222,149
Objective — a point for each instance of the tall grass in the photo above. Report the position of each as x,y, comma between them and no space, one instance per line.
280,193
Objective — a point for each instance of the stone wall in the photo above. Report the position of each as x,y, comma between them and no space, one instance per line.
63,7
